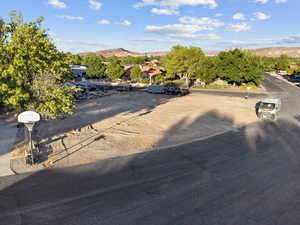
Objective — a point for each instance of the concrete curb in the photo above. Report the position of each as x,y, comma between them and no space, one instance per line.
228,91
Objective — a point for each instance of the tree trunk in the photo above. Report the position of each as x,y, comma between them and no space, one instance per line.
151,80
187,80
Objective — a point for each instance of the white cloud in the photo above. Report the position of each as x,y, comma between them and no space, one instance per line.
95,5
238,27
199,36
125,23
104,22
280,1
218,14
266,1
57,4
151,39
206,22
261,16
177,3
262,1
239,16
184,31
260,42
288,40
164,11
71,17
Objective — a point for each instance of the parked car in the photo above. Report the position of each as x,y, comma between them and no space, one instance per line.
156,89
169,90
172,90
185,91
294,78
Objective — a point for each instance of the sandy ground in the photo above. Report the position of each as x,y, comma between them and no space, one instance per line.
134,122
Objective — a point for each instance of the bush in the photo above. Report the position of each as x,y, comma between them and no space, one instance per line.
291,71
252,85
145,81
159,79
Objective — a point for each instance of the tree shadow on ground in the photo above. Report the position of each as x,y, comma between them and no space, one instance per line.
246,176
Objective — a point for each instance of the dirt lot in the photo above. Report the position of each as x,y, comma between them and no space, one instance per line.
134,122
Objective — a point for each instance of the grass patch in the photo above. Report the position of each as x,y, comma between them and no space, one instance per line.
214,86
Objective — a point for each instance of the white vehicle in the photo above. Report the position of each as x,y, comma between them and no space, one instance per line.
269,108
282,72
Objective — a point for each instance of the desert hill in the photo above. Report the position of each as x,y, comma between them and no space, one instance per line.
120,52
277,51
271,52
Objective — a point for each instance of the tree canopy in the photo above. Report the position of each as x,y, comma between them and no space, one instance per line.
28,56
96,68
240,67
136,73
183,61
208,69
114,70
283,62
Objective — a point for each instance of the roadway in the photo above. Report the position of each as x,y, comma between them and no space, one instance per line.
245,177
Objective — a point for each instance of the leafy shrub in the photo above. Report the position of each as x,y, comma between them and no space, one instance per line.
145,81
252,85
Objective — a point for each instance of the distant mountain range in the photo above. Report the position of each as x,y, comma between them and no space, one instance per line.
271,52
121,52
277,51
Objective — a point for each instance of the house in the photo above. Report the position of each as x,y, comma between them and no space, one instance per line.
150,71
127,66
293,66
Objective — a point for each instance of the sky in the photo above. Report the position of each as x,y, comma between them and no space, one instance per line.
157,25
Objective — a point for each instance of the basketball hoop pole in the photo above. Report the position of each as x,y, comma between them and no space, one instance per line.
29,127
29,118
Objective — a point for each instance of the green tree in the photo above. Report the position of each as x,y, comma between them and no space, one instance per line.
27,55
208,70
183,62
283,62
114,70
75,59
96,68
269,63
136,73
238,66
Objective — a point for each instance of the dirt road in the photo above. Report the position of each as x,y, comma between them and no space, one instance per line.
136,122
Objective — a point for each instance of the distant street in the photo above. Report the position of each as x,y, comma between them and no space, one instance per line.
249,176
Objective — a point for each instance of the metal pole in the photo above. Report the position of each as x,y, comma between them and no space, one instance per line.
30,128
31,148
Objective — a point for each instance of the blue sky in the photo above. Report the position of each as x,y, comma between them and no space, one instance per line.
156,25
